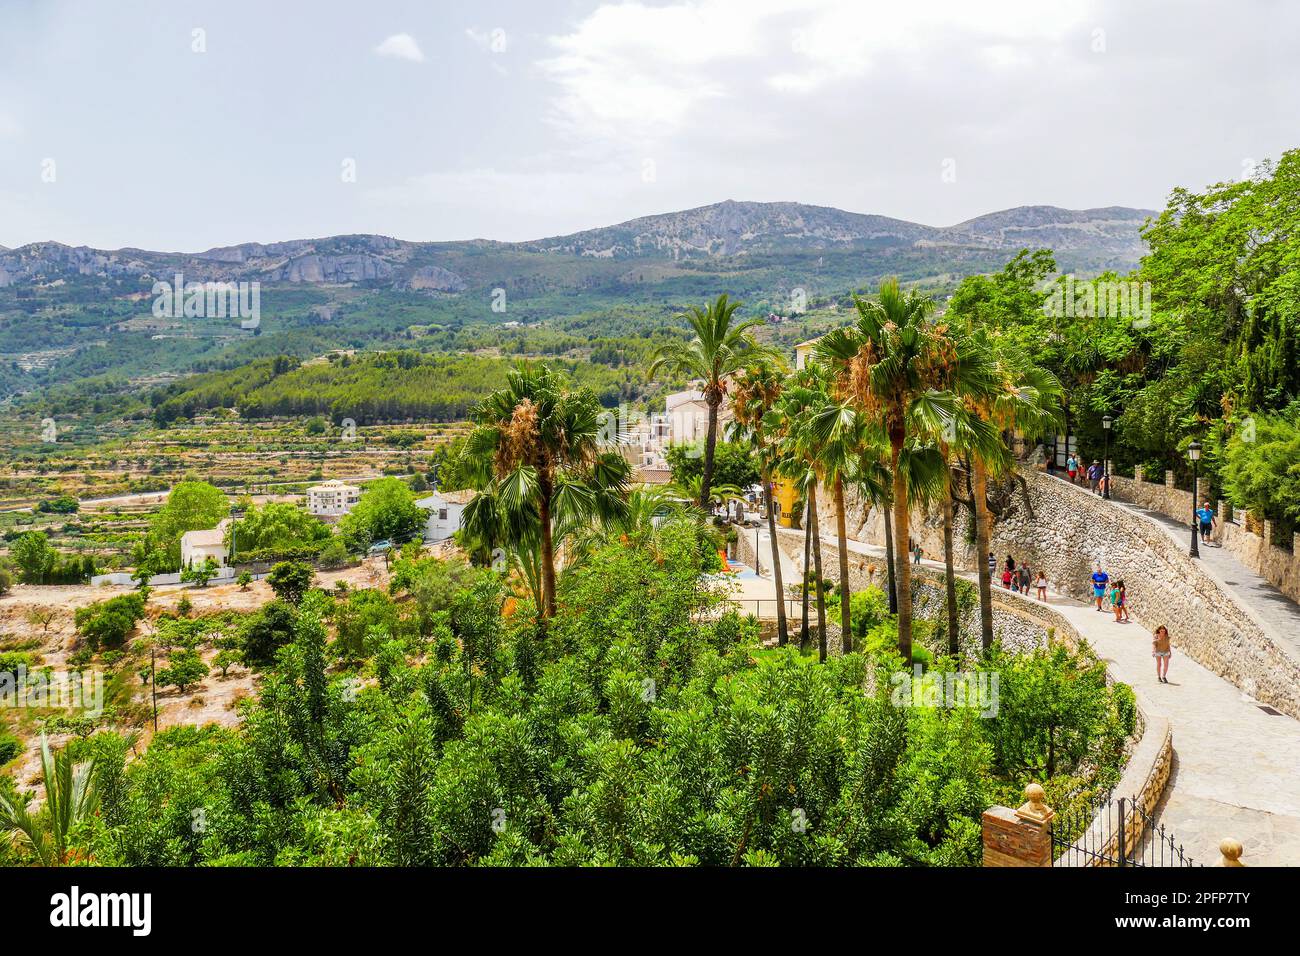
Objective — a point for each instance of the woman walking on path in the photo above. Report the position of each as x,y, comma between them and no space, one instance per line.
1160,650
1072,469
1041,585
1117,601
1006,578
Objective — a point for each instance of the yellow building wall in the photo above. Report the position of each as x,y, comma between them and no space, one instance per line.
785,499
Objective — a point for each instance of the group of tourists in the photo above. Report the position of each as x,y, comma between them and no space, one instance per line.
1094,475
1113,595
1019,577
1110,593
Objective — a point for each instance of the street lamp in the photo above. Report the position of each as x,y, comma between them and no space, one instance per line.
1106,421
1194,453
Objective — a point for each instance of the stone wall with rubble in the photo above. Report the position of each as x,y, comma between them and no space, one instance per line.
1247,537
1016,626
1065,529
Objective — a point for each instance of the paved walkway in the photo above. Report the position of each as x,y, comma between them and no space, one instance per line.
1278,612
1236,768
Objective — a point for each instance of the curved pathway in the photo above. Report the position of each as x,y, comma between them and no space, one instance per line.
1236,767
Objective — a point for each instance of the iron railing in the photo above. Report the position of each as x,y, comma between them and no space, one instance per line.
1114,831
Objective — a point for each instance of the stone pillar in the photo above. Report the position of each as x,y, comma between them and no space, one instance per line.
1169,479
1137,473
1020,837
1230,853
1267,535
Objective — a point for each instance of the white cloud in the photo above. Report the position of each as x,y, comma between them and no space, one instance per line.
9,128
401,46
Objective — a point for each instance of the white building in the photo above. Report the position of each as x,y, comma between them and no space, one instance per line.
445,509
332,499
688,417
803,352
198,546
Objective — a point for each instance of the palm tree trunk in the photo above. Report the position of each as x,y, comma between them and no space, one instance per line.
807,549
782,632
548,549
817,573
949,572
889,561
842,536
710,444
901,518
982,548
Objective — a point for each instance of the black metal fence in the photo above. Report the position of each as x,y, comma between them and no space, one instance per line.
1113,831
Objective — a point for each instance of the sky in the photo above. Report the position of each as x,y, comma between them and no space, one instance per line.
182,125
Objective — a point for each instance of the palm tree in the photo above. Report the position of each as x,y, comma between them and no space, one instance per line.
897,366
1025,399
800,460
536,460
718,350
71,798
837,433
756,391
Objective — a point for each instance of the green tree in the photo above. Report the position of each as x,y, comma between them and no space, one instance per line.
289,580
539,467
71,799
898,367
719,348
191,506
184,668
385,512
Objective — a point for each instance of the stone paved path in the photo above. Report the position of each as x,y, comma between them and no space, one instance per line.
1275,610
1236,768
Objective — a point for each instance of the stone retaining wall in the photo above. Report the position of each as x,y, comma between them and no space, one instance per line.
1249,539
1067,528
1021,623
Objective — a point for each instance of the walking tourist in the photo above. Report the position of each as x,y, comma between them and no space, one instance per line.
1205,518
1006,578
1041,585
1117,601
1099,581
1160,650
993,566
1094,476
1072,469
916,553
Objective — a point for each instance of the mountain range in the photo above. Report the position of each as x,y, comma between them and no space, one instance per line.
1084,240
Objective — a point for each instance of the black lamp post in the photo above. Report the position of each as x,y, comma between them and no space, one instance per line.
1105,457
1194,453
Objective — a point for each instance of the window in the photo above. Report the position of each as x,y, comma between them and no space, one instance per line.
442,514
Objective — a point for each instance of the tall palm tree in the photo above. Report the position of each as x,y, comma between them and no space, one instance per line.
719,348
1025,399
537,464
800,460
754,394
838,434
897,366
71,798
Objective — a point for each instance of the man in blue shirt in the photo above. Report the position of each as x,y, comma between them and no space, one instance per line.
1094,475
1205,518
1099,580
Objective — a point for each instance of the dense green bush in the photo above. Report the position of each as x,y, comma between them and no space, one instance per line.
643,725
106,624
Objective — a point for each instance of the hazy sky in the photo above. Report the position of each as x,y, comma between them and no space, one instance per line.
186,125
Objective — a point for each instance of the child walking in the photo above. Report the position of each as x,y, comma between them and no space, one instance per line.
1041,585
